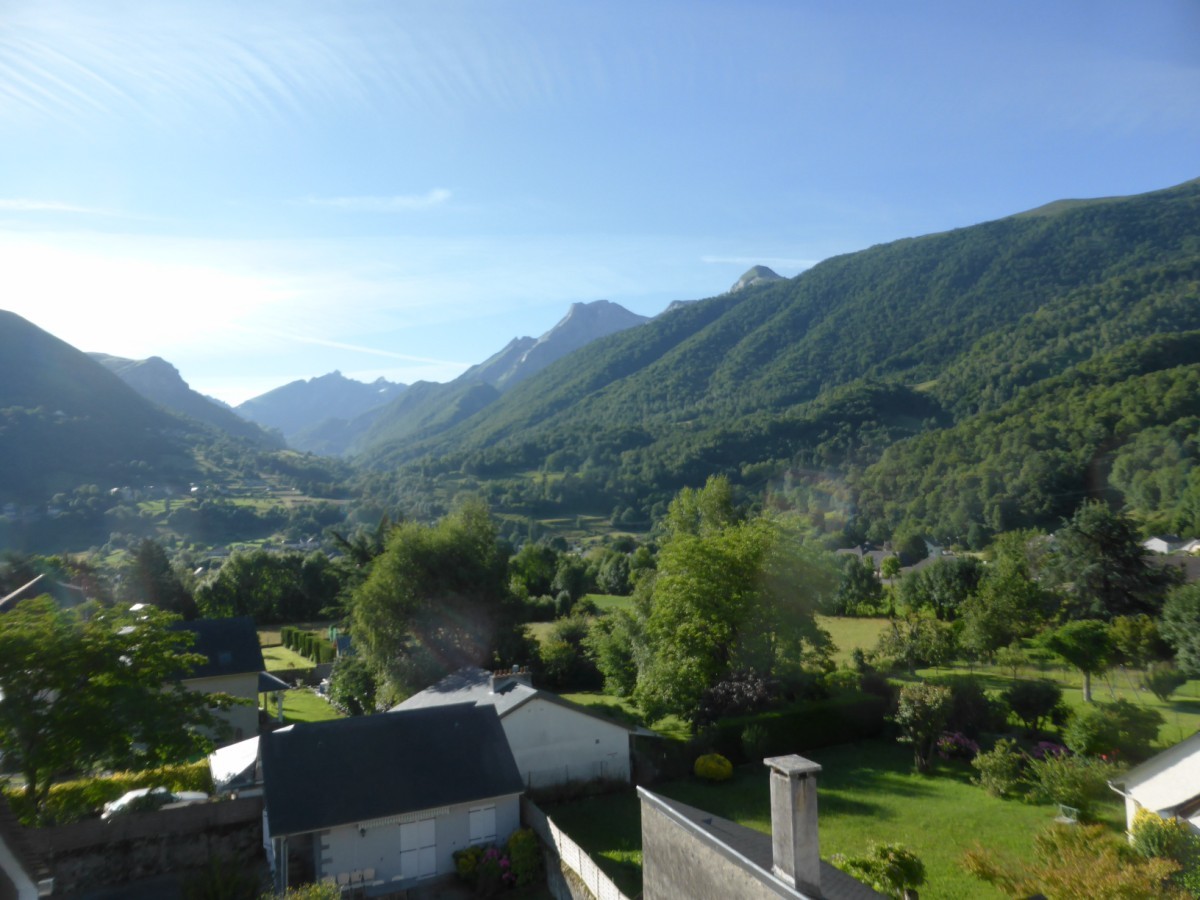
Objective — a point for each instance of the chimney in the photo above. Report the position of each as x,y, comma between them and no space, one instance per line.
502,678
795,849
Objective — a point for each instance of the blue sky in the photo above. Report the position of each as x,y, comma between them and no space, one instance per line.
260,192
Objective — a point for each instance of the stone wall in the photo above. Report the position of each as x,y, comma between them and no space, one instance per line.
131,848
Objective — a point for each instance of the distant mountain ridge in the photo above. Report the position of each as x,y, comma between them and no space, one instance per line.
332,415
311,412
160,382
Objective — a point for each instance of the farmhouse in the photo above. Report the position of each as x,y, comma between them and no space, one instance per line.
1167,784
553,741
687,852
380,803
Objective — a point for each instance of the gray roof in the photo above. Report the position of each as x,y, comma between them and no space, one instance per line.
322,774
473,685
755,848
231,646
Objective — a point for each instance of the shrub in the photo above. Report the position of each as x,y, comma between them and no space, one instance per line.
1162,680
72,801
972,711
1033,702
466,862
742,692
713,767
999,768
755,741
1074,781
956,745
1156,837
525,856
1103,728
805,726
890,869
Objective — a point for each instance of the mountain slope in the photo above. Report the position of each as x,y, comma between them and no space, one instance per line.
303,408
949,313
66,420
160,382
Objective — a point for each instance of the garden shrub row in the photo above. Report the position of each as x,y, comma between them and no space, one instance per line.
311,644
809,725
72,801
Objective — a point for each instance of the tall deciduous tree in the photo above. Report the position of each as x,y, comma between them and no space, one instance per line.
437,599
1086,644
87,688
1181,627
728,595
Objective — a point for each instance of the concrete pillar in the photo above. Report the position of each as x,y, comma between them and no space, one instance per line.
795,849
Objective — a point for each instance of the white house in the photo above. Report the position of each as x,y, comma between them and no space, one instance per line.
1163,543
1168,784
233,662
380,803
553,740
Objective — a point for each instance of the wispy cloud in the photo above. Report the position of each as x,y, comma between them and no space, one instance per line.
356,348
394,203
25,204
783,262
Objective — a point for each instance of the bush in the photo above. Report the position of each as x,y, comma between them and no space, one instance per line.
1033,702
1074,781
1105,728
804,726
972,711
755,741
956,745
890,869
1000,768
713,767
741,693
525,857
1156,837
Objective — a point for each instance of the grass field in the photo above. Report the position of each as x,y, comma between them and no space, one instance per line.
606,602
280,657
850,633
303,705
867,792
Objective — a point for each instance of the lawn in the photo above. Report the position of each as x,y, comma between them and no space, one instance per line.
625,711
280,657
867,792
606,602
850,633
303,705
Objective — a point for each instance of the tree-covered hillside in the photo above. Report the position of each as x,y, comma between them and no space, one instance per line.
827,370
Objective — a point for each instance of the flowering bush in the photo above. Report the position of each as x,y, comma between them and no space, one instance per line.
1042,749
956,745
713,767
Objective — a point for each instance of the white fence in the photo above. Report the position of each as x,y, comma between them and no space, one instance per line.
571,854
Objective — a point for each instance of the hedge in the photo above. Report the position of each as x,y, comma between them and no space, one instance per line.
71,801
804,726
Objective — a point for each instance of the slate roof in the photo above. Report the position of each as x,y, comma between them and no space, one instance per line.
754,847
231,646
323,774
473,685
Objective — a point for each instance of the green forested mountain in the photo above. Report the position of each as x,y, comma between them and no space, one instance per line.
813,378
67,420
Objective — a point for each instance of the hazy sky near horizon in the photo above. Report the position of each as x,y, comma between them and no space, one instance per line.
260,192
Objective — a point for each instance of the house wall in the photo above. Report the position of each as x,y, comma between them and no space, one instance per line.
678,863
243,719
553,744
346,849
